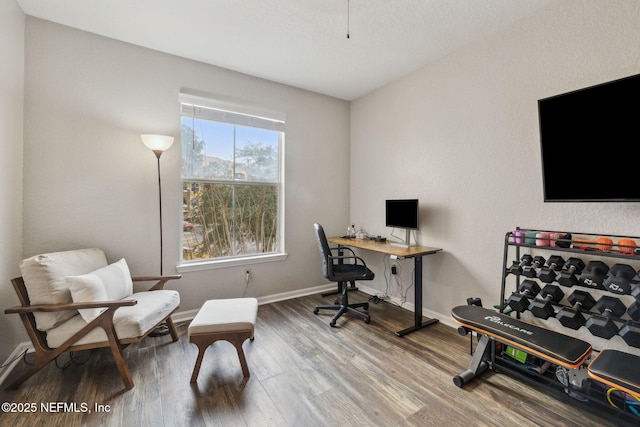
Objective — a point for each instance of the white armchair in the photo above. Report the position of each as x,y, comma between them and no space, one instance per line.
75,300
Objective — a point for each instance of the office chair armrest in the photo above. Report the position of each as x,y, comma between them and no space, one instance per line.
343,248
342,258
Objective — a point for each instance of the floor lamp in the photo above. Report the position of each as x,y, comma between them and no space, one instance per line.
159,144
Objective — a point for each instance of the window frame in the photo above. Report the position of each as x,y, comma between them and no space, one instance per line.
245,259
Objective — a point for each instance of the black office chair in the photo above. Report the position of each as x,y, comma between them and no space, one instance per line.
342,269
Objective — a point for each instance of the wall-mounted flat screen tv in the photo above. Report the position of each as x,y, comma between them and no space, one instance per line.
587,140
402,213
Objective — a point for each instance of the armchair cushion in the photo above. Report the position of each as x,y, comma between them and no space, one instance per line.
44,278
129,322
110,283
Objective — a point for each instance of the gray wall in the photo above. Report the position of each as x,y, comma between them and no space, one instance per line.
89,180
462,135
11,105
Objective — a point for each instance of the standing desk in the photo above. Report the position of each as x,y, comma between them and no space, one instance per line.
415,252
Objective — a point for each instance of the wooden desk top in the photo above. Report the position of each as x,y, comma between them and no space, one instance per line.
384,247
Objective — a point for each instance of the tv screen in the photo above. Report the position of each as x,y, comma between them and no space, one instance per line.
402,213
585,137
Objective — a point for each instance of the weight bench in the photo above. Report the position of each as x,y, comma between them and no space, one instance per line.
617,369
546,344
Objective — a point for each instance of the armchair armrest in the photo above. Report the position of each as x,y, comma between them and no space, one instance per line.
69,306
161,280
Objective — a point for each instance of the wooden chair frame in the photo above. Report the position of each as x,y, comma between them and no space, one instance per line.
45,354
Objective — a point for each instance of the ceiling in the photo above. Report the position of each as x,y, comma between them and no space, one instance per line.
302,43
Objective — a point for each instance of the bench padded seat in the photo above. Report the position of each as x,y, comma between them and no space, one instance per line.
617,369
549,345
233,314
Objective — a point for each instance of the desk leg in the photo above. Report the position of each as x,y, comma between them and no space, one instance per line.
417,282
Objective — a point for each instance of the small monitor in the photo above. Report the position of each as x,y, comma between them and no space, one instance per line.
402,213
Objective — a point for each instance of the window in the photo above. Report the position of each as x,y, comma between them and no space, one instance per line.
232,184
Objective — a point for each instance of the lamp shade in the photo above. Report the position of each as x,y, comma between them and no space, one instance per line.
157,142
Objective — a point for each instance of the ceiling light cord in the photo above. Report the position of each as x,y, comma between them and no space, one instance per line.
348,35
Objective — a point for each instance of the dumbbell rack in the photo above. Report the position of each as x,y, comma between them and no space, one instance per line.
580,245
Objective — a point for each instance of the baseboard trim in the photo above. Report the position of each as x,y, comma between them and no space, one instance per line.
13,359
410,306
188,315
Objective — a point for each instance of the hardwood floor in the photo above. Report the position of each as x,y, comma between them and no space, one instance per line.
303,373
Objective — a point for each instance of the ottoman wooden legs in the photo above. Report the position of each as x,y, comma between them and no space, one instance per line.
231,320
203,341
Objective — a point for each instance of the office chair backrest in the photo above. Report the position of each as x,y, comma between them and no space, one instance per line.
323,246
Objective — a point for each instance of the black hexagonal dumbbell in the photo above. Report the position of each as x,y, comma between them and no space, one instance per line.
570,270
619,281
542,306
517,266
548,273
531,270
594,274
630,333
519,301
634,309
602,325
571,317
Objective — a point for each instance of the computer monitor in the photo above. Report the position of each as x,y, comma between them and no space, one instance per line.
402,213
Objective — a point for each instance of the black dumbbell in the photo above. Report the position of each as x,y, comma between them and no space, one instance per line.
602,325
530,270
594,274
549,273
567,277
516,267
571,317
619,281
630,333
519,301
634,309
474,301
542,306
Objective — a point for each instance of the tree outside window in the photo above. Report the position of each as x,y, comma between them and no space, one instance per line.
231,178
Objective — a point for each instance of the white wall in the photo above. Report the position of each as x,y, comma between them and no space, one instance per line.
89,180
462,135
11,104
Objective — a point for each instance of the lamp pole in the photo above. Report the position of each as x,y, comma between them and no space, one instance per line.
158,144
158,153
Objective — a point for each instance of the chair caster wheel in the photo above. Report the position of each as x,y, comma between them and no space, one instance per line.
332,324
315,311
367,320
366,307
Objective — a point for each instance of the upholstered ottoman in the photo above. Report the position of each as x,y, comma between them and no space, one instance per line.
231,320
